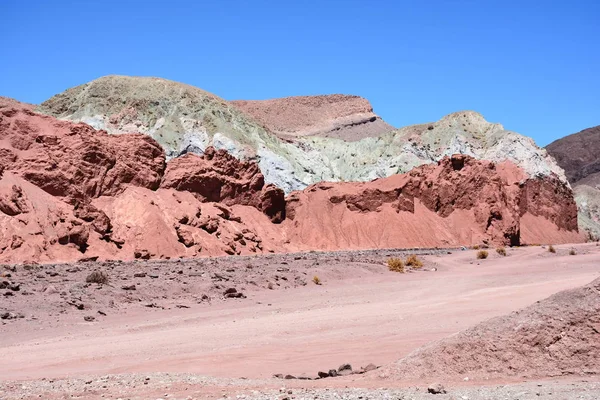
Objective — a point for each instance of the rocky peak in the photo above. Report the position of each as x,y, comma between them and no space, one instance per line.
469,121
180,117
345,117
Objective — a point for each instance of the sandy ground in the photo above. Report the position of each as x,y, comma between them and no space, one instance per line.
360,314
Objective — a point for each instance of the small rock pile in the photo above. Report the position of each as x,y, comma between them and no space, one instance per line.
342,370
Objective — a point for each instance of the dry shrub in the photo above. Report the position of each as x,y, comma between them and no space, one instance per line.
501,251
572,252
482,255
97,277
316,280
395,265
476,247
413,261
551,249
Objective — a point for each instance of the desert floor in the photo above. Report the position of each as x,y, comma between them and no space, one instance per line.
176,335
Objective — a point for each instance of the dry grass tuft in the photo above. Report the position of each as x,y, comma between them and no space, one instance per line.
97,277
482,254
316,280
395,265
413,261
572,252
501,251
551,249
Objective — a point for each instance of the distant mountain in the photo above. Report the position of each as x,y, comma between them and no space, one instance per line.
579,155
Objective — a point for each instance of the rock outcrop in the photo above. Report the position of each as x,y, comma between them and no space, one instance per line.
454,202
558,336
217,176
186,119
69,192
338,116
578,154
74,161
588,206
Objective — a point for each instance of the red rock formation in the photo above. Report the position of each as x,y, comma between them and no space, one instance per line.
75,161
217,176
548,197
458,201
69,192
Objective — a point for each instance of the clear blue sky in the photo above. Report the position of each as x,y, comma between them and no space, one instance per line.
533,66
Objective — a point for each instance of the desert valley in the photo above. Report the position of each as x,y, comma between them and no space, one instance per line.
160,242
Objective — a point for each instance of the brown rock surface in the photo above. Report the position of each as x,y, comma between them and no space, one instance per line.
338,116
554,337
577,154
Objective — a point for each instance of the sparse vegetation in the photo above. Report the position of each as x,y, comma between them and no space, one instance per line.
501,251
482,254
316,280
413,261
476,247
395,265
97,277
572,252
551,249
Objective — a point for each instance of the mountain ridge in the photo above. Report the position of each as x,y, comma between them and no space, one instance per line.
184,119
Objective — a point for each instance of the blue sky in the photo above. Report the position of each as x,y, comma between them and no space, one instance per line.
530,65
